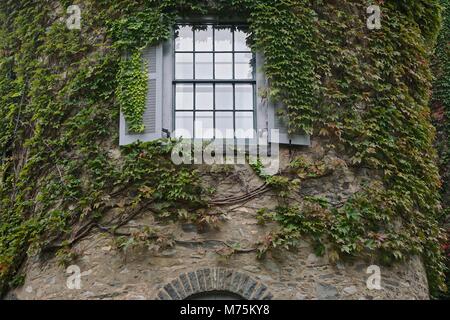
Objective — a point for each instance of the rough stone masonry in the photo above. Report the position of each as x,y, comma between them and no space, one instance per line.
194,264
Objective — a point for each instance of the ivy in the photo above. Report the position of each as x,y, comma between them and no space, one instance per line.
284,32
132,91
441,109
365,93
441,94
147,27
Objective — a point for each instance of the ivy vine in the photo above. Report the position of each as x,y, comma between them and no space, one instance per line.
132,90
441,110
366,93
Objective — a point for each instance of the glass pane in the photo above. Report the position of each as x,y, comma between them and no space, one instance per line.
244,125
204,97
184,97
240,41
243,66
184,66
224,66
224,125
224,97
223,39
244,97
204,39
185,39
204,125
184,124
203,66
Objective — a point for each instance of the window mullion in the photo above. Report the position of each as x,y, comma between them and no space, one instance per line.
214,110
193,54
233,66
214,52
194,106
234,110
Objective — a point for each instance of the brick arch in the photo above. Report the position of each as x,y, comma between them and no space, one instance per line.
211,280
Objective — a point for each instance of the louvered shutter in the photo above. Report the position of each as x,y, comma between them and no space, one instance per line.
262,105
268,118
276,121
152,117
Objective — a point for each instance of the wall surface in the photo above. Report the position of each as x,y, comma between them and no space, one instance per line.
198,262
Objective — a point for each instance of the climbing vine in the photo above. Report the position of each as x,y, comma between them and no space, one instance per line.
441,111
365,92
132,91
441,94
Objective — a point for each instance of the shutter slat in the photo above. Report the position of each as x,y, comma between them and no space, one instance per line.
149,117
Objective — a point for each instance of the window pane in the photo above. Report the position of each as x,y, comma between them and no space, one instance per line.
204,39
243,66
184,121
203,66
224,97
240,41
204,97
223,39
185,39
224,125
184,66
244,125
244,97
204,125
184,97
224,65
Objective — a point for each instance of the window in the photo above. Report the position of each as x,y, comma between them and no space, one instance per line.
206,81
214,81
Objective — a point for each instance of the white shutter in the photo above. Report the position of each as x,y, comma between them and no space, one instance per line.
279,122
262,105
152,117
268,117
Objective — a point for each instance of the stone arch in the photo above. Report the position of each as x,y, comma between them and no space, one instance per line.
214,279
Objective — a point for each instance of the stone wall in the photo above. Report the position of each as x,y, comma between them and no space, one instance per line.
198,261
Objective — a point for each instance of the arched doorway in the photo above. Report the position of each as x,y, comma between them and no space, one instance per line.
214,284
215,295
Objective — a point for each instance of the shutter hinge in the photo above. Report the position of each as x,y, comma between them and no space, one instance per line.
167,132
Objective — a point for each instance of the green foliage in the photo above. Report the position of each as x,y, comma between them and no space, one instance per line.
441,94
387,124
441,109
66,256
148,168
148,239
284,32
137,31
132,91
58,118
365,91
